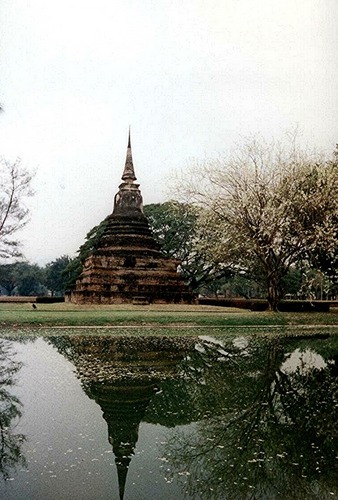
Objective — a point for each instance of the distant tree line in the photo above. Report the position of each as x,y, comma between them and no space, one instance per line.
23,278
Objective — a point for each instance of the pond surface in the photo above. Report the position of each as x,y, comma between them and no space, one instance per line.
99,417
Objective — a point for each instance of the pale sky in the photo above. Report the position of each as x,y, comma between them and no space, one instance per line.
191,77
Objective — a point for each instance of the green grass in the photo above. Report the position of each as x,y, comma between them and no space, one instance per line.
173,316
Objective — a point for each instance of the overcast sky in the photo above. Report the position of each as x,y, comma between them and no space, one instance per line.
191,77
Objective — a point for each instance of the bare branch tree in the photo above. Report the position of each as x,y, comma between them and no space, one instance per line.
15,187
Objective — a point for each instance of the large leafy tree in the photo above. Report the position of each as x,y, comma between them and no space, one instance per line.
266,208
22,278
324,256
57,276
30,279
174,226
15,183
8,278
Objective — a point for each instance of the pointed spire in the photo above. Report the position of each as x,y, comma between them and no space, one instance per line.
128,173
122,465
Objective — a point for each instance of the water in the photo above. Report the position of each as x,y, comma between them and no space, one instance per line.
89,417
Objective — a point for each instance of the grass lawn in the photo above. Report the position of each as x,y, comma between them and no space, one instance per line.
178,317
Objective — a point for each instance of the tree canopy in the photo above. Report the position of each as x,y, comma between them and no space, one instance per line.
22,278
174,226
266,208
57,276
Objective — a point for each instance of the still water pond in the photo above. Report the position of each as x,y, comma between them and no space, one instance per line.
89,417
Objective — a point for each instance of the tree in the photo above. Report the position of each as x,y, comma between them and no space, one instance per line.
22,278
266,208
56,277
242,285
325,257
15,183
8,278
30,279
174,226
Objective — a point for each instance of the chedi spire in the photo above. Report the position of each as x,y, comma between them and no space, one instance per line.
129,173
128,201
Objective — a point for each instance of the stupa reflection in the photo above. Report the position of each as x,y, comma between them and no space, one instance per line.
122,375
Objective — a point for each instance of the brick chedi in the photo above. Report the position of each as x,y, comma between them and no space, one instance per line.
127,264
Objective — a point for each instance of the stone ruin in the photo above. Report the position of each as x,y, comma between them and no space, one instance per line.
127,265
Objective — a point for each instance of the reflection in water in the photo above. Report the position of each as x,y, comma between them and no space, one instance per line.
272,433
10,443
266,411
248,419
123,409
122,375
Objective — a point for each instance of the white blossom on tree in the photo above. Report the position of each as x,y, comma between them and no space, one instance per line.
267,208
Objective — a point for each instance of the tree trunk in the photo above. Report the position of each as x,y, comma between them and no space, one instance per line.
274,294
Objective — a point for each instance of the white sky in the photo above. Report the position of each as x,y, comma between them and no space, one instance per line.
191,77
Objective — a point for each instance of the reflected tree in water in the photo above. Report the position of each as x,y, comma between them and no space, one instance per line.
264,430
10,411
254,419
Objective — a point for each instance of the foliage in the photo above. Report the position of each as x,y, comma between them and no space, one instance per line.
8,278
30,279
15,183
10,443
292,282
174,226
92,240
266,427
266,209
22,278
324,256
72,272
316,285
242,285
56,275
